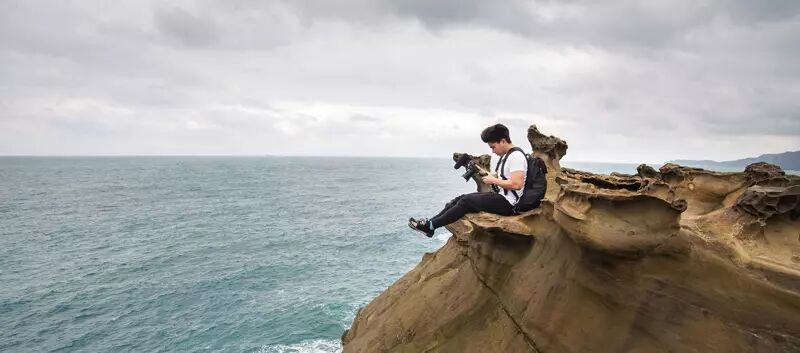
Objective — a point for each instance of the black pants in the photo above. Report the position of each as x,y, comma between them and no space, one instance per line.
472,203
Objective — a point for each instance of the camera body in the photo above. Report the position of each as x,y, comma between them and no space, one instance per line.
466,160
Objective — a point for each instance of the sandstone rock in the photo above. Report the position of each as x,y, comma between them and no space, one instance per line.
760,172
550,149
767,201
680,260
646,171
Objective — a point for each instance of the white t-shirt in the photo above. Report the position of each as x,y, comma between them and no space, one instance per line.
516,162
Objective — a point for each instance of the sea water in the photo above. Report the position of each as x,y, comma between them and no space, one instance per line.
208,254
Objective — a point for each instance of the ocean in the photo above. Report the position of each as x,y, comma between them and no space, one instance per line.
208,254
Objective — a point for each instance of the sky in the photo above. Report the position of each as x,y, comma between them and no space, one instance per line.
620,81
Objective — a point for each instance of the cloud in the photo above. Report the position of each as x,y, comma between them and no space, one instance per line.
620,80
360,118
187,28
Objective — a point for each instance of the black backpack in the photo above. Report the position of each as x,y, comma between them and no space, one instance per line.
535,181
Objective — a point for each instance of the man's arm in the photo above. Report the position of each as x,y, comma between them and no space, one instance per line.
516,182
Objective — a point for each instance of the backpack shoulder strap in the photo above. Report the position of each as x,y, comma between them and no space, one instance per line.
505,158
503,167
517,149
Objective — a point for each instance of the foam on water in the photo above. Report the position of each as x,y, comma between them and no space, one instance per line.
313,346
443,236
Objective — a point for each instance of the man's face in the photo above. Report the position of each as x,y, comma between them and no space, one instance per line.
497,148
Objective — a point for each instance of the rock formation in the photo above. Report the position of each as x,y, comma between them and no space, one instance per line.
675,260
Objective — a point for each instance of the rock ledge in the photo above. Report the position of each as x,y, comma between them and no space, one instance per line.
671,260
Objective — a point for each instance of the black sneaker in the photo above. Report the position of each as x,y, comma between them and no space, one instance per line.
420,225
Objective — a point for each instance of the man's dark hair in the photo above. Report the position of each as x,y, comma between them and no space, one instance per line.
495,133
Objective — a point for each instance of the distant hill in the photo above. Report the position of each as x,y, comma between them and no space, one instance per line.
787,161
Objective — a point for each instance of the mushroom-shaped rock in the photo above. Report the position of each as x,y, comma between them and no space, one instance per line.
679,260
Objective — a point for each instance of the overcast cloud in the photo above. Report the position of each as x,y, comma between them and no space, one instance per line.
619,80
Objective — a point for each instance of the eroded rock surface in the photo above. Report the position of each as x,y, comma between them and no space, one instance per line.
675,260
767,201
550,149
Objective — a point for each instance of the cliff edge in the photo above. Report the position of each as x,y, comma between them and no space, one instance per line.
671,260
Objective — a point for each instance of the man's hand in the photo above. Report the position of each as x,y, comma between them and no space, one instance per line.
490,179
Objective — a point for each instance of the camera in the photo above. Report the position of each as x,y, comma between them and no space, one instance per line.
467,161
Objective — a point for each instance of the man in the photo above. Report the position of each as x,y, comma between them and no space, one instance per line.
510,183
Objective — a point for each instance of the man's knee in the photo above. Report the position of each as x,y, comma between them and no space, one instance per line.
454,201
469,203
474,198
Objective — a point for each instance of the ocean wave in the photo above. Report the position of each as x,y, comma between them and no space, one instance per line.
313,346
